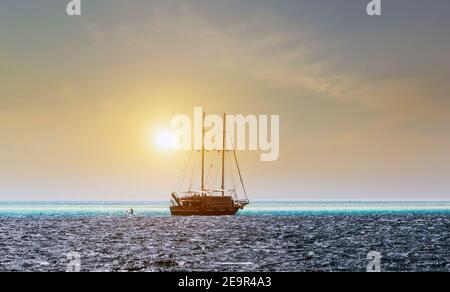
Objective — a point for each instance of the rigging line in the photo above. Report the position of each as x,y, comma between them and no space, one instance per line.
184,172
232,175
231,143
218,170
209,172
213,170
179,176
240,175
192,174
208,180
218,157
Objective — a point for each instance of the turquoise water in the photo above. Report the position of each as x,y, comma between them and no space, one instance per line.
273,208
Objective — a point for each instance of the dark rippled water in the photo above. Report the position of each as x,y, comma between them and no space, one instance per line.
245,243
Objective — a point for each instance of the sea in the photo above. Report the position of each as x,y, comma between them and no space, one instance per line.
267,236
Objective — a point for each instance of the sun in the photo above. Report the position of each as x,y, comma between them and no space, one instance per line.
164,140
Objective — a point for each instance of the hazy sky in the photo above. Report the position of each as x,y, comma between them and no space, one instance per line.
364,101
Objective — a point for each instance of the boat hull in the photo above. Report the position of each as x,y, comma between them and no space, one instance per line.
180,211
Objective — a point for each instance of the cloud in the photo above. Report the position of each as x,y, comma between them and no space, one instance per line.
269,50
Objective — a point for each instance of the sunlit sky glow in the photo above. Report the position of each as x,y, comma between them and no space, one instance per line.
364,102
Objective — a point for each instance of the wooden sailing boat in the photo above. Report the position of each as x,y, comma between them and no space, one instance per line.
210,201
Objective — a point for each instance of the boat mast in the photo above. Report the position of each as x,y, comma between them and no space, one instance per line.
203,152
223,151
240,174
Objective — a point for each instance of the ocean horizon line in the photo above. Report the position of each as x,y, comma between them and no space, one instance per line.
265,208
255,200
